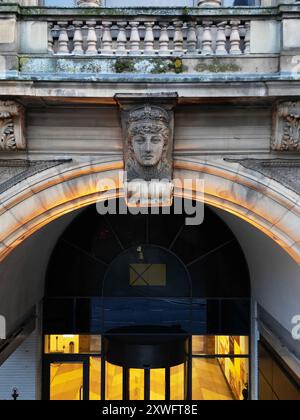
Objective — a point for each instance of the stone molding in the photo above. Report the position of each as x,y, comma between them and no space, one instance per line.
286,127
12,127
284,171
89,3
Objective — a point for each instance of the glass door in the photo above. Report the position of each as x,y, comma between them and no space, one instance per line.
71,378
66,381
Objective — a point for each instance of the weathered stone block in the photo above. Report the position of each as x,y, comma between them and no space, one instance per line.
291,34
264,37
8,34
8,63
290,63
33,37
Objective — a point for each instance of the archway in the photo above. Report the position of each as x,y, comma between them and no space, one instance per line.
170,301
43,197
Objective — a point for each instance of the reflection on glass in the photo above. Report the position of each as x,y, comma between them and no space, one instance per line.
72,344
236,372
222,378
203,344
113,382
211,345
157,384
177,382
95,378
66,381
208,381
136,387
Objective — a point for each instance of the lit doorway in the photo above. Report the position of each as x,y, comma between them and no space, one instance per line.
148,271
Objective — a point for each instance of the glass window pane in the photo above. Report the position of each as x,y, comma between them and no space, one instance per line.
136,384
157,384
236,372
177,382
72,344
203,344
58,316
113,382
66,381
95,378
220,344
222,378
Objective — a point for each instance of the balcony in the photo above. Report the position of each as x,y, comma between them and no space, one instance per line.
72,43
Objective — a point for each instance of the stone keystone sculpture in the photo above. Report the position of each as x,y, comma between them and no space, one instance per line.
148,127
148,138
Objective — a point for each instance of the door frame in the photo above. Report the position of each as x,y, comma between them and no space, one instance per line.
84,359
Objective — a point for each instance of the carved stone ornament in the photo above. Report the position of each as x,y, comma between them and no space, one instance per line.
11,127
286,127
148,129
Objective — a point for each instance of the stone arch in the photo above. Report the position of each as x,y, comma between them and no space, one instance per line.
43,197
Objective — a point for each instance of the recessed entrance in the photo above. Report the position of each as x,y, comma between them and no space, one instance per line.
144,307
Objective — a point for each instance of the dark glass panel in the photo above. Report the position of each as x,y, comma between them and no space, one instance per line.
59,316
163,229
197,241
235,317
74,273
130,229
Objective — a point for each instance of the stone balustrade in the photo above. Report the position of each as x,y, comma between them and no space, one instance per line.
149,37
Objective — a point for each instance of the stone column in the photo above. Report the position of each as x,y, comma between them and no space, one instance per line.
209,3
89,3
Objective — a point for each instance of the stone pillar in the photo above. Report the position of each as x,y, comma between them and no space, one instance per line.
209,3
89,3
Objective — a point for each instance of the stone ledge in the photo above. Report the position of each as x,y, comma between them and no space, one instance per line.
284,171
43,12
16,170
186,64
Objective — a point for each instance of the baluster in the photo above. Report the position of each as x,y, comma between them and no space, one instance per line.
235,38
134,38
178,36
221,39
149,38
50,38
106,38
91,37
247,38
164,38
63,39
122,38
78,38
191,37
207,39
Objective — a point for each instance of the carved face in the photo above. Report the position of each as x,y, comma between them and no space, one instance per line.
148,147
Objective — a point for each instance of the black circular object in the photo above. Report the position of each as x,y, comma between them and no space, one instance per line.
146,347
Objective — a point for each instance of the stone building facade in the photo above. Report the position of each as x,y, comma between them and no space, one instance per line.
225,80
